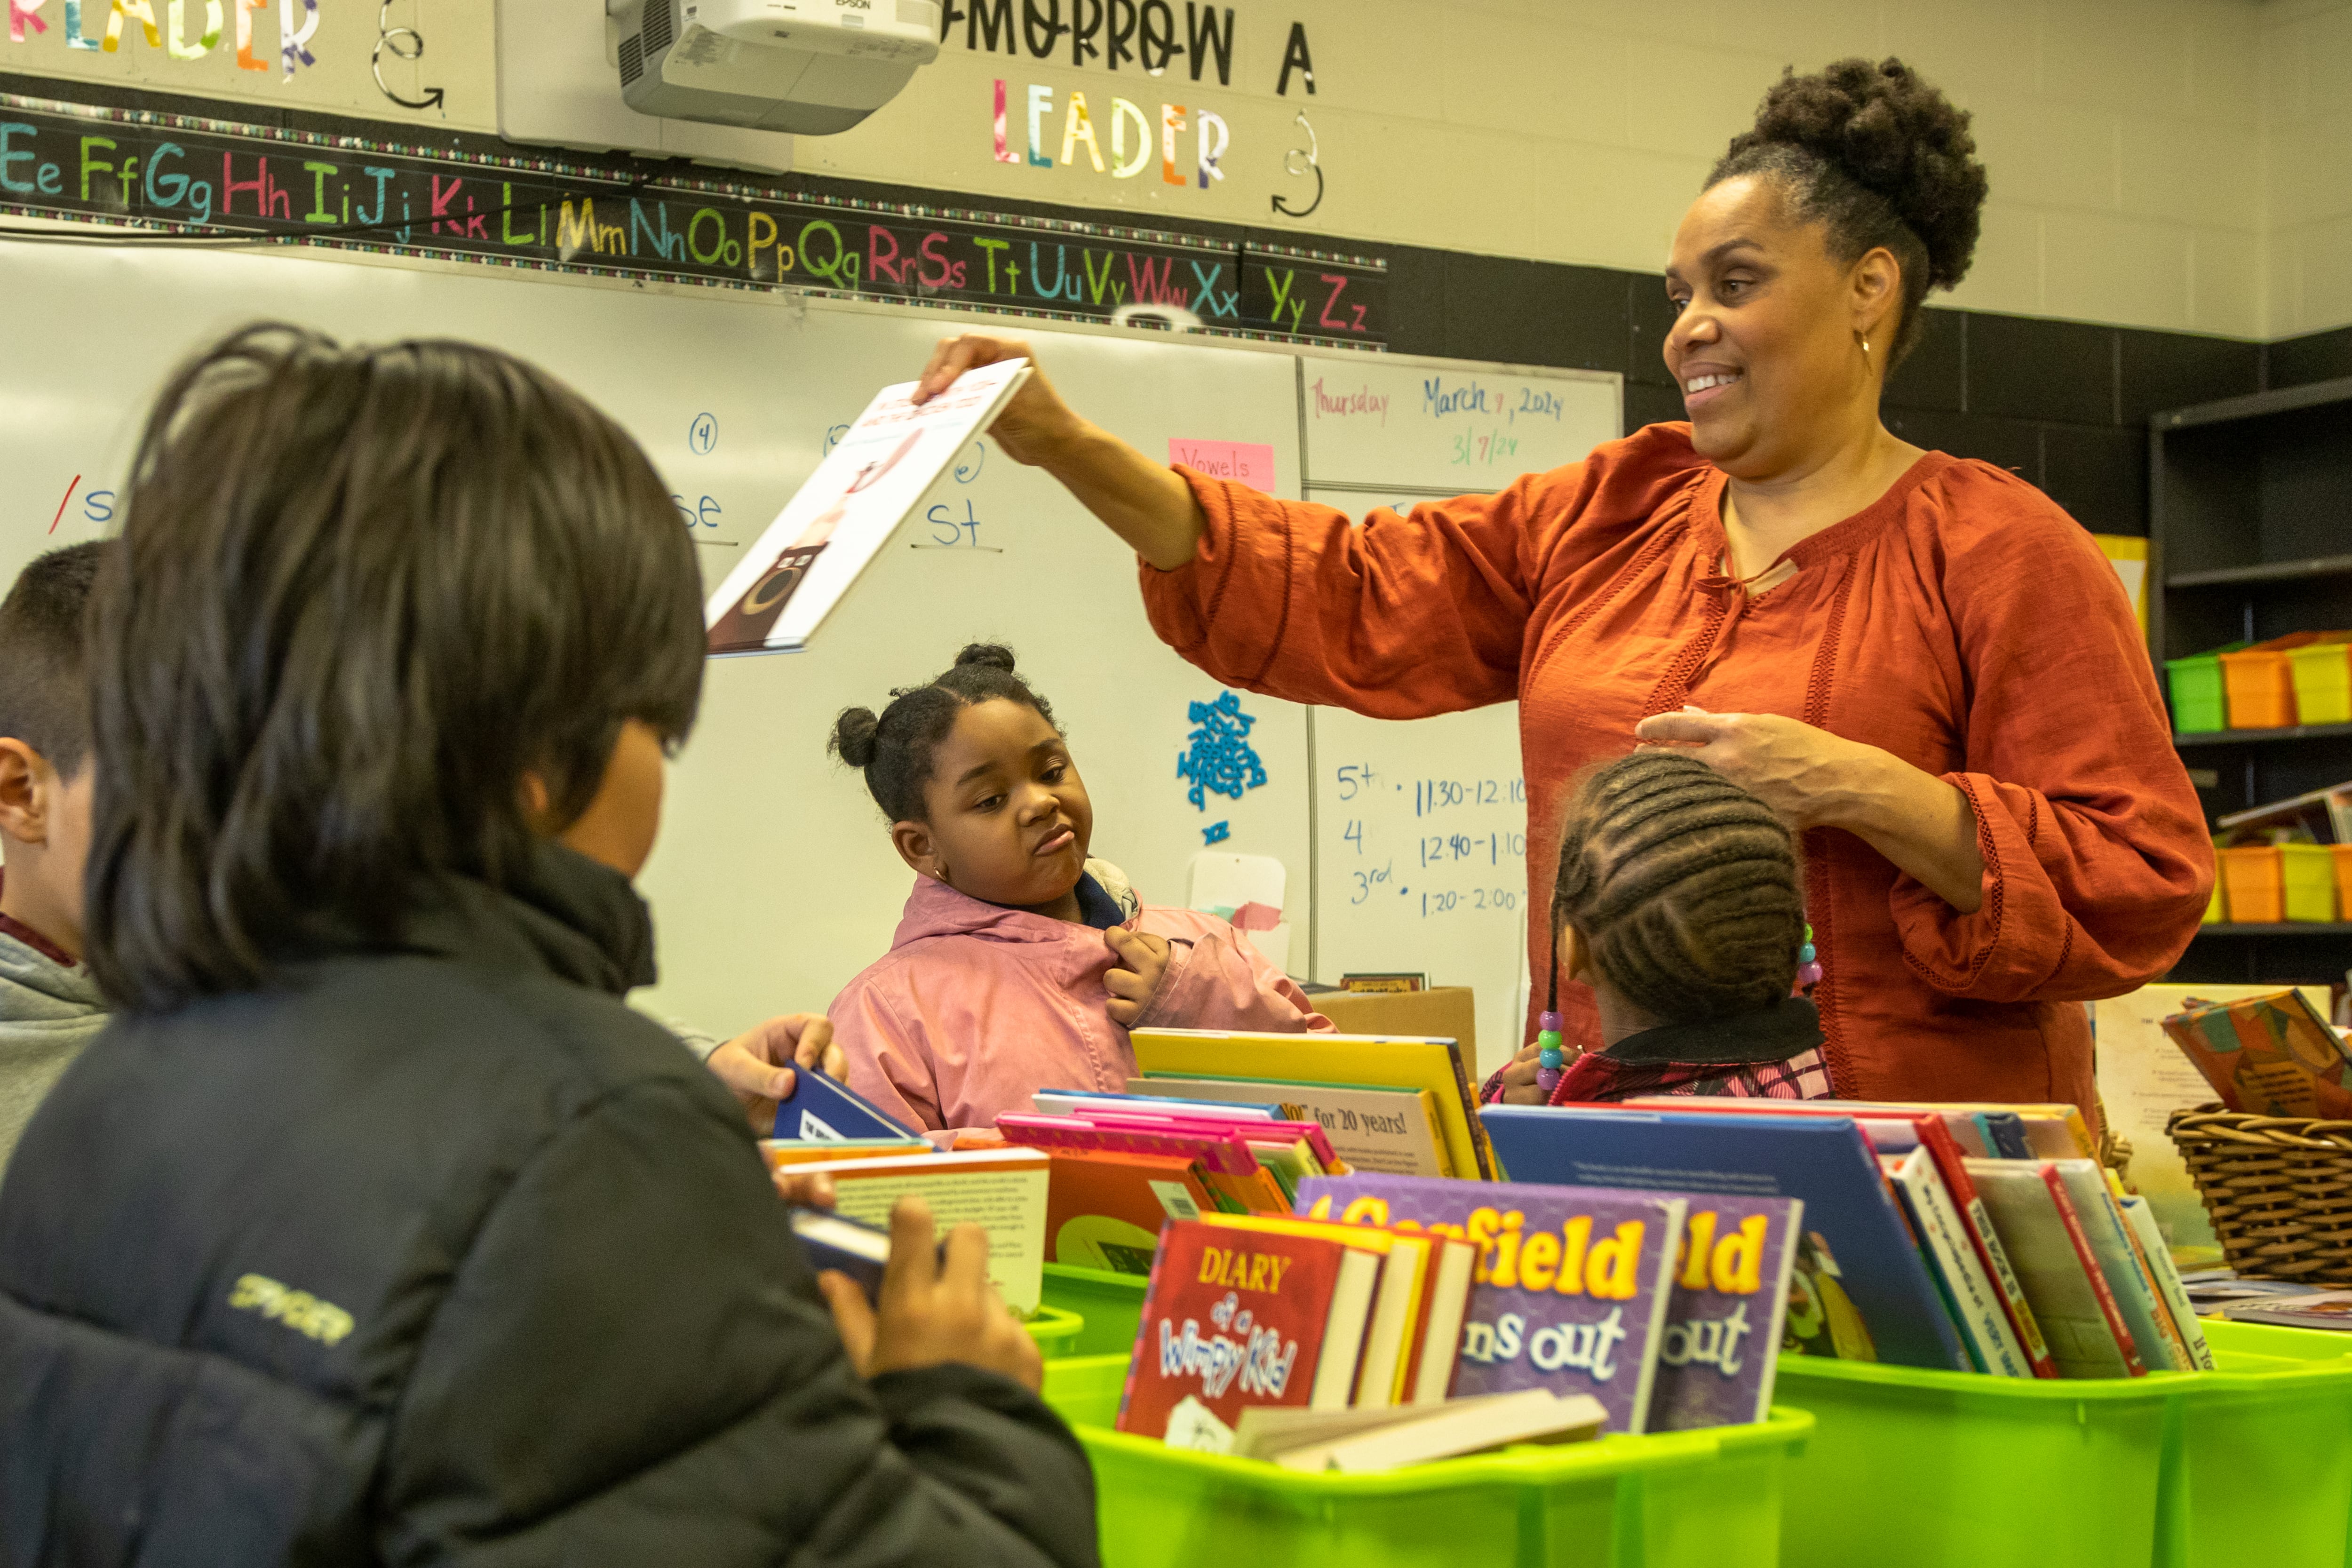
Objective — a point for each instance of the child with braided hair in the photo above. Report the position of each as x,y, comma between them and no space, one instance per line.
1678,902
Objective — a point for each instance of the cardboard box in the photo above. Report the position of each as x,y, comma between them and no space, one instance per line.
1444,1011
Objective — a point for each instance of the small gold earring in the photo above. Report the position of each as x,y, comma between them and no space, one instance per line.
1865,348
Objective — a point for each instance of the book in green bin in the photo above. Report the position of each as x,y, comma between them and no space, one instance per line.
1572,1287
1237,1317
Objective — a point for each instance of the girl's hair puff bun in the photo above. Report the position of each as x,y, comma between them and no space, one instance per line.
987,655
852,736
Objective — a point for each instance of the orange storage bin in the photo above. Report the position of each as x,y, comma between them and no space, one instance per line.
2260,681
2255,876
2343,880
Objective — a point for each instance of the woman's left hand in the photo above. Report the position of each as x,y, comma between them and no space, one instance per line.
1812,778
1808,777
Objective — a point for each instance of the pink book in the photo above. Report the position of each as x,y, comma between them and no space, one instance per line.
1224,1156
1253,1130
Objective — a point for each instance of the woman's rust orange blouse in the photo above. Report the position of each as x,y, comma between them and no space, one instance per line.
1963,622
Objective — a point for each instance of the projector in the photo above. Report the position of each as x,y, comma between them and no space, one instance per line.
812,67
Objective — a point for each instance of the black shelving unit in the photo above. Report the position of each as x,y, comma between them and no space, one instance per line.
2250,537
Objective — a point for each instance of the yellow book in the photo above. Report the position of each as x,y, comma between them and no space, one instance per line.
2128,555
1401,1062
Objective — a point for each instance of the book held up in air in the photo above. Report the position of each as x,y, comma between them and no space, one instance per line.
829,533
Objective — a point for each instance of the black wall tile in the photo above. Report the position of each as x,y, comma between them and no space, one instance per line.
1935,376
1647,402
1651,316
1416,275
2019,368
2173,370
2011,444
2099,473
1533,313
2298,361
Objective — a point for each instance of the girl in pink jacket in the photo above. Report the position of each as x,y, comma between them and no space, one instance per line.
1020,965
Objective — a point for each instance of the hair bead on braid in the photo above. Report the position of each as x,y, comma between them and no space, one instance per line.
1683,887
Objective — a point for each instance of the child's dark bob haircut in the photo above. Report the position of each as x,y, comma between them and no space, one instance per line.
359,593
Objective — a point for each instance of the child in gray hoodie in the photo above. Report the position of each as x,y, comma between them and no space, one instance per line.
50,1005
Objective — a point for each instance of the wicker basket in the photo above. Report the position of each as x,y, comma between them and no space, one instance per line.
2279,1189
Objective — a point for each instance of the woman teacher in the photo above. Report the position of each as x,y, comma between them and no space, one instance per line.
1921,662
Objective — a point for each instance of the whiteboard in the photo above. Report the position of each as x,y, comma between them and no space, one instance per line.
1420,826
1422,863
773,880
1444,427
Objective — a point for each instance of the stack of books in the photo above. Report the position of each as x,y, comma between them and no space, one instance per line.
1222,1123
1399,1105
1965,1238
1320,1345
1447,1317
825,1127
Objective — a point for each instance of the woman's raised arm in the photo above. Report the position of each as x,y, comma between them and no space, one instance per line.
1144,502
1398,617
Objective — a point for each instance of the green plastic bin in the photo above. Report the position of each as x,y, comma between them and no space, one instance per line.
1111,1304
1678,1499
2248,1463
2198,706
1056,1330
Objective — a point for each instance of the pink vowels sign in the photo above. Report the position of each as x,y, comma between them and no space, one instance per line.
1249,462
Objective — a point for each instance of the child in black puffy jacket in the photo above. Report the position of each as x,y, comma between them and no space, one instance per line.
375,1226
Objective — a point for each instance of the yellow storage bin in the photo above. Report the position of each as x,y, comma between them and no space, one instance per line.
2323,680
2307,881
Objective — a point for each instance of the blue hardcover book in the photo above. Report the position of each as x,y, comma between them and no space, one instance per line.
838,1242
824,1110
1824,1160
2005,1130
851,1246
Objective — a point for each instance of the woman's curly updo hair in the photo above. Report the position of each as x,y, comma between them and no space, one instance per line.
1882,159
894,749
1684,887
